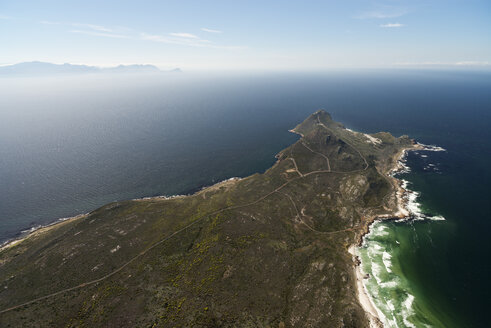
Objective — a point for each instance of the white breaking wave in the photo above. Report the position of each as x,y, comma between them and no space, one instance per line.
401,166
380,230
31,229
411,197
390,284
414,207
384,285
377,247
432,147
386,259
389,292
407,311
376,272
26,232
164,197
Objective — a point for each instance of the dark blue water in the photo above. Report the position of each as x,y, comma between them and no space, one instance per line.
67,147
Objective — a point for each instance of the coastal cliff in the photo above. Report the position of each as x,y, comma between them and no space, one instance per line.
269,250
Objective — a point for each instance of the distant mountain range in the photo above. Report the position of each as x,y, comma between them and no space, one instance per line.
42,68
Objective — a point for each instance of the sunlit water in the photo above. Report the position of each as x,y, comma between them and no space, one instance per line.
69,146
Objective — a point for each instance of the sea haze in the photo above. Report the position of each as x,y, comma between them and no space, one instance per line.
69,145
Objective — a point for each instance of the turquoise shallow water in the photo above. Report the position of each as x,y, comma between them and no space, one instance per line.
388,257
417,279
384,256
69,146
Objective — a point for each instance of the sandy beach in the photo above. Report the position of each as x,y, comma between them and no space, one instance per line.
374,316
363,297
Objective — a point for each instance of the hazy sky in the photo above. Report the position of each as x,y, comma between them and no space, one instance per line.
249,34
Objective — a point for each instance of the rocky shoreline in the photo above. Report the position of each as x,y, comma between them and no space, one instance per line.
373,314
25,234
402,212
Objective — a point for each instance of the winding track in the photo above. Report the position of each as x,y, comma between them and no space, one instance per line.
296,167
327,159
142,253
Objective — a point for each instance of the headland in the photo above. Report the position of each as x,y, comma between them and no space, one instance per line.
269,250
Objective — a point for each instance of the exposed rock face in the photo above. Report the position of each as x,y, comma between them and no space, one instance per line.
352,188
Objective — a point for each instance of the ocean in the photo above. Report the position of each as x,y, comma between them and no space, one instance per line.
69,146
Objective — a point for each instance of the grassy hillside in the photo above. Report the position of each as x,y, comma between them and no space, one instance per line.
269,250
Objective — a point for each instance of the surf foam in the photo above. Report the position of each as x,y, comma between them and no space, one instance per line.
389,291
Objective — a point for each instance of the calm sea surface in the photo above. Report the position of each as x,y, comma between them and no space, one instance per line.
69,146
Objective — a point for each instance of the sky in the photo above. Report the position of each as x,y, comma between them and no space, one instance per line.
248,34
